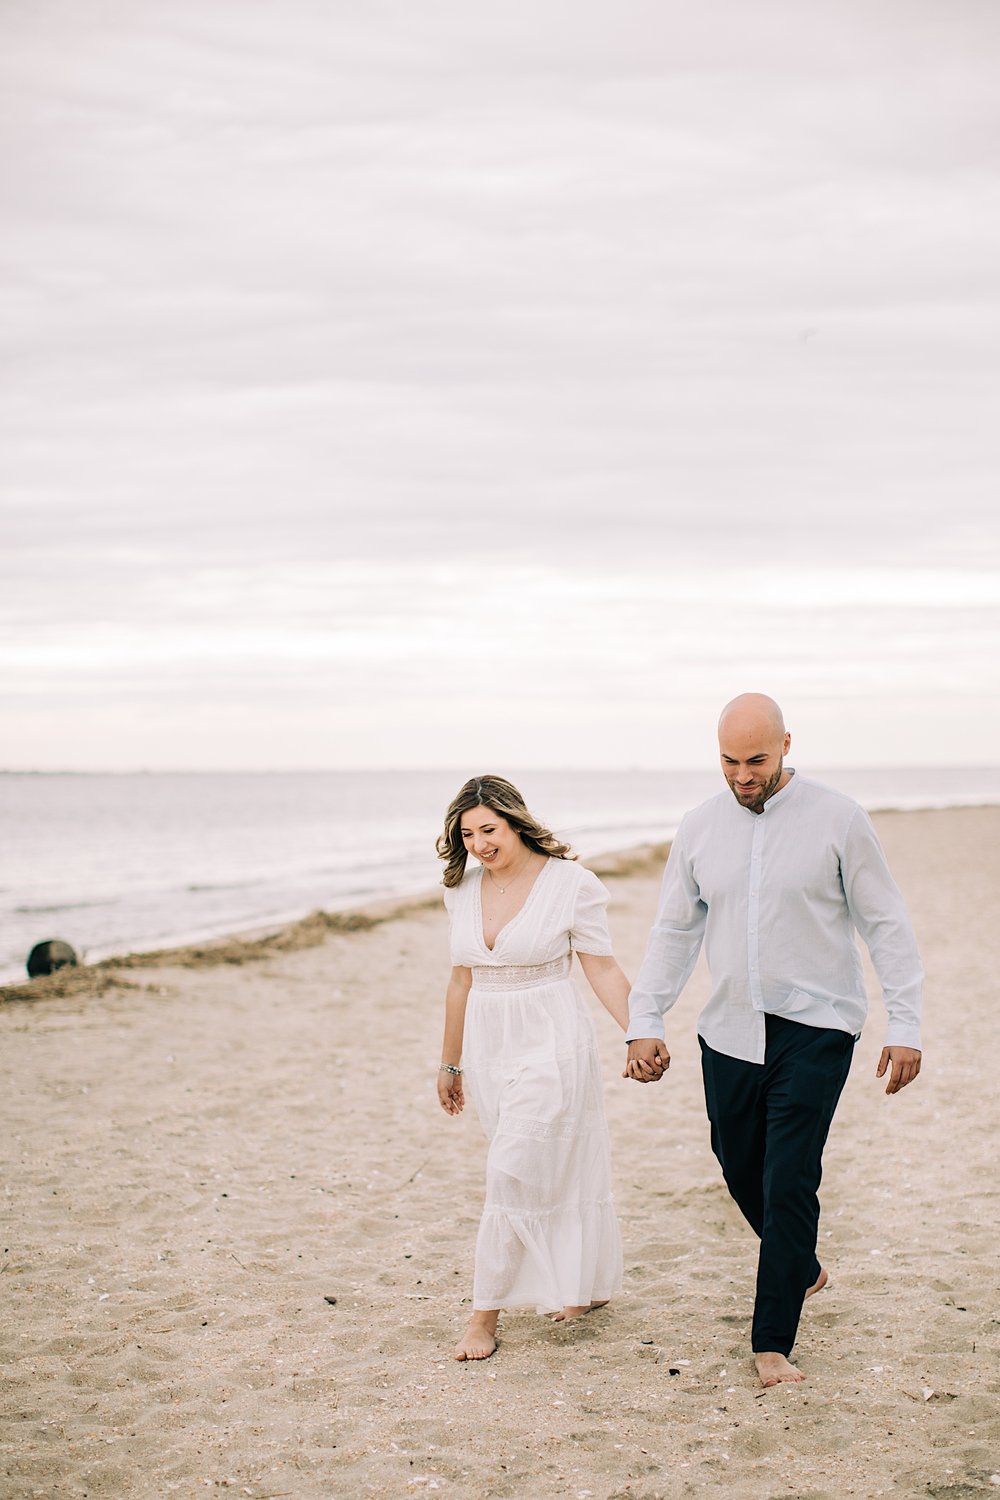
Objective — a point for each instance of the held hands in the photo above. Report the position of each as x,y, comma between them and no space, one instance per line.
451,1095
647,1061
905,1067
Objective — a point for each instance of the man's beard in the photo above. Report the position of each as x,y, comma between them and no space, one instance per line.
761,794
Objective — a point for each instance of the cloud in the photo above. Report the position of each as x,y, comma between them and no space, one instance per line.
353,348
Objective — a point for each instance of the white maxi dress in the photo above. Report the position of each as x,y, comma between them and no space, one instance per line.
549,1234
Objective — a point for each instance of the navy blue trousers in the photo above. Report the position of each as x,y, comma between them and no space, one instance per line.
770,1122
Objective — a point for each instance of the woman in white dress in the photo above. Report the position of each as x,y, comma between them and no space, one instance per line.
518,1033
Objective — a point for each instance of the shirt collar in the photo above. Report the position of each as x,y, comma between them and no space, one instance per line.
785,792
774,801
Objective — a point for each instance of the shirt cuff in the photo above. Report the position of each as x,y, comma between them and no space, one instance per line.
645,1025
902,1034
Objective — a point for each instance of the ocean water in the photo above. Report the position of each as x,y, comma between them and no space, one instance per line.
116,864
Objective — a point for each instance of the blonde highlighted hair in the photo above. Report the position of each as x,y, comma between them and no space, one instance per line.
503,798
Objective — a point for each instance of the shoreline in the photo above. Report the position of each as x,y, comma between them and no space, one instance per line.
269,940
263,940
166,915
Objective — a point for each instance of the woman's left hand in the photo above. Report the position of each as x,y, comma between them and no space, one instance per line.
450,1093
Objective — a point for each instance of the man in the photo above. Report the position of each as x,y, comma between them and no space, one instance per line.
775,875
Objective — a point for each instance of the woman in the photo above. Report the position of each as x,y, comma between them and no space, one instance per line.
518,1032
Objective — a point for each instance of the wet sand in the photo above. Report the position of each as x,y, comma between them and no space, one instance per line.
238,1237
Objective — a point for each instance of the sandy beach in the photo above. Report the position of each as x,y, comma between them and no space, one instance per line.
238,1237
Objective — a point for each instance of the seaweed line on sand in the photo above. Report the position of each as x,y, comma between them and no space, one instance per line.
257,946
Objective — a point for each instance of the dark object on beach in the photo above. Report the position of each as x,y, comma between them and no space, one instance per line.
332,1301
47,957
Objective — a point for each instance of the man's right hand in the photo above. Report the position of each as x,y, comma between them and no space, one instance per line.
647,1061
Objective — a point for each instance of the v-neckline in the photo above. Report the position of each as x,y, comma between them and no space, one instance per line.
510,920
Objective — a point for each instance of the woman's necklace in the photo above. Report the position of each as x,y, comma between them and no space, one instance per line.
503,888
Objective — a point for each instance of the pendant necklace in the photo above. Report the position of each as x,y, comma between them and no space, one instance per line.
503,888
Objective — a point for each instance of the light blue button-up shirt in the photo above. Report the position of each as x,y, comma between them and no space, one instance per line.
776,897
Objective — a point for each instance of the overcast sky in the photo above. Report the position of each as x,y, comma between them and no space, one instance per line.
498,385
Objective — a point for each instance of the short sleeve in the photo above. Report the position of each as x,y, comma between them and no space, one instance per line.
589,932
451,907
457,905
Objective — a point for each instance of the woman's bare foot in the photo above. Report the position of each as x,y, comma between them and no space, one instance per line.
818,1284
569,1313
480,1338
774,1369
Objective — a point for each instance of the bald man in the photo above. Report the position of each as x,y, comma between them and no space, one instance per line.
775,876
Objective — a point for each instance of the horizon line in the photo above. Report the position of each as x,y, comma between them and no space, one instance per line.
11,771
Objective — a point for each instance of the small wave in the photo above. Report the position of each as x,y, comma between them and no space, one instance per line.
48,911
929,803
222,885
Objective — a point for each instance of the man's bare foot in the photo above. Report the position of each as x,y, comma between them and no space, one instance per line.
818,1284
774,1369
569,1313
480,1338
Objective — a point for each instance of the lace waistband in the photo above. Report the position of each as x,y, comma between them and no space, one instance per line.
519,976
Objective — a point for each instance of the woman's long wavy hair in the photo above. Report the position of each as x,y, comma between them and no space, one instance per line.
505,800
